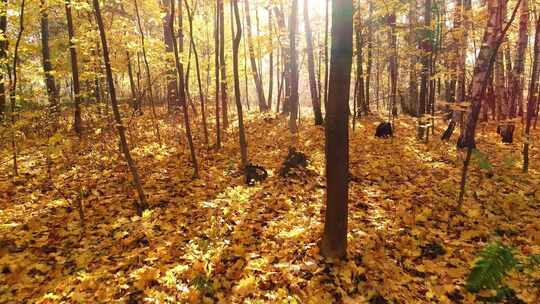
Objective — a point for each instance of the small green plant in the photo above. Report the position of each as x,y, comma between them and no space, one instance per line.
495,261
490,269
481,159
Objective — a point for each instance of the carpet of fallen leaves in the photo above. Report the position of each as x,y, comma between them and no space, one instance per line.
216,240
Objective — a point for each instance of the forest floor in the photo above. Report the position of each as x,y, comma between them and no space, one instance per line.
216,240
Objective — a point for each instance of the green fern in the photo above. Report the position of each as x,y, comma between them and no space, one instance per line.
495,261
534,262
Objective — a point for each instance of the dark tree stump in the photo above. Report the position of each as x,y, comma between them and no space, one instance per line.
449,131
255,174
507,133
294,160
384,130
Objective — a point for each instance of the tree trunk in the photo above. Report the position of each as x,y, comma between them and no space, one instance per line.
77,125
178,47
484,65
217,40
293,24
142,204
198,70
271,61
533,95
134,94
50,82
237,97
254,70
13,88
148,75
334,241
316,102
223,67
3,56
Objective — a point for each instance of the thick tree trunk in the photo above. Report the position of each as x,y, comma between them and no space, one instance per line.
334,241
142,204
77,125
238,100
315,101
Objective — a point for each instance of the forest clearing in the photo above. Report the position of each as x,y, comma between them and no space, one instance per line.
255,151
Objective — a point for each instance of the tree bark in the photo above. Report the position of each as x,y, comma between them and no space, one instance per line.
533,95
3,56
77,125
142,204
178,47
223,67
198,70
293,55
484,65
256,77
148,75
237,97
315,101
334,241
50,82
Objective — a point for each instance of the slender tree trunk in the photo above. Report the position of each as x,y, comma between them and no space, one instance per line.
181,93
148,75
293,24
134,93
369,57
334,241
412,103
326,55
359,91
50,82
533,95
223,68
198,70
483,68
254,70
77,125
217,40
3,56
238,100
271,61
13,88
393,66
142,204
316,102
516,77
168,40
